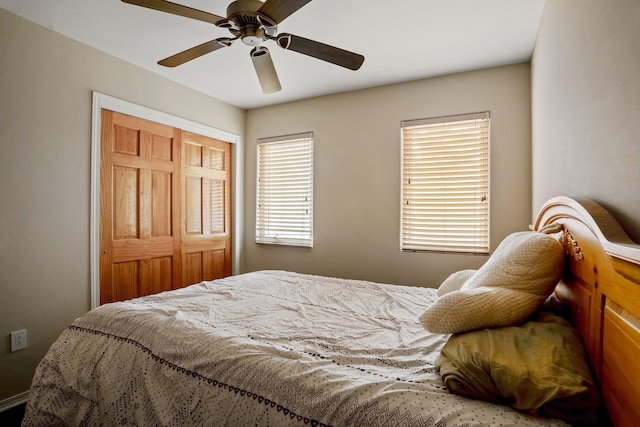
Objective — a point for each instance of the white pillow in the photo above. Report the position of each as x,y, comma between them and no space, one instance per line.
455,281
526,261
505,291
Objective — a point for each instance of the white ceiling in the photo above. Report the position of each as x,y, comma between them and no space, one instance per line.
401,41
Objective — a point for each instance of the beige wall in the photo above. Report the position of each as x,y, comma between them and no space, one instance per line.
586,105
357,172
46,82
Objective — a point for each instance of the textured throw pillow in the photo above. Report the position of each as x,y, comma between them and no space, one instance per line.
540,367
505,291
455,281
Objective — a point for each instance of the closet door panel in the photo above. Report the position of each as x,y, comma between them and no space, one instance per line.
137,190
164,208
206,208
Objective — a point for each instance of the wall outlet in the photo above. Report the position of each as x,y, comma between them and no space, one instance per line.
18,340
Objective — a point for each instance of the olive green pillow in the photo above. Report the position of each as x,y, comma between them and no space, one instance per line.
539,367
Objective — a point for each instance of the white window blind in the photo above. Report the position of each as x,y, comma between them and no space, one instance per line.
284,205
445,184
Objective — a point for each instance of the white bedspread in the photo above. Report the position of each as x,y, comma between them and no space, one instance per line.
268,348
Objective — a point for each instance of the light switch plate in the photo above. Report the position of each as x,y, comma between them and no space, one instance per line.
18,340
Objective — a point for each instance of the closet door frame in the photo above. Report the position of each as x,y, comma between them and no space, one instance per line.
100,102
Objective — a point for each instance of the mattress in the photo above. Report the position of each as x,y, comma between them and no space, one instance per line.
268,348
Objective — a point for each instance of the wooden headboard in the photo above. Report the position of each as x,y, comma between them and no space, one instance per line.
601,286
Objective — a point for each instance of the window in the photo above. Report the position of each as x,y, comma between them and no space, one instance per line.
284,200
445,184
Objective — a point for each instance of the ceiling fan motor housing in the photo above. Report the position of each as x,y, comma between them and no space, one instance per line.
243,7
250,25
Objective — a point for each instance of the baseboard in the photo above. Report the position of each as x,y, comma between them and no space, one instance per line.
14,401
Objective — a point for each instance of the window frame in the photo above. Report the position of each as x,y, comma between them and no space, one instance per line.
454,233
268,224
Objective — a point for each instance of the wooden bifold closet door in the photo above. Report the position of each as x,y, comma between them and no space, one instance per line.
164,208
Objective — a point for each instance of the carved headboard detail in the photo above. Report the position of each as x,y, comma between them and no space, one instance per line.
571,246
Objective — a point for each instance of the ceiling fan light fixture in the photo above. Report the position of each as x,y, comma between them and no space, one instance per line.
252,40
252,35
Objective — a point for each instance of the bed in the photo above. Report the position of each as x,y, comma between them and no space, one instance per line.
276,348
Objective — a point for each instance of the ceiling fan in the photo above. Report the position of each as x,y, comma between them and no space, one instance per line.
253,22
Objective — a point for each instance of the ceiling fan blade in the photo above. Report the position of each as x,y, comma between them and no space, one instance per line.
322,51
263,64
177,9
196,52
279,10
